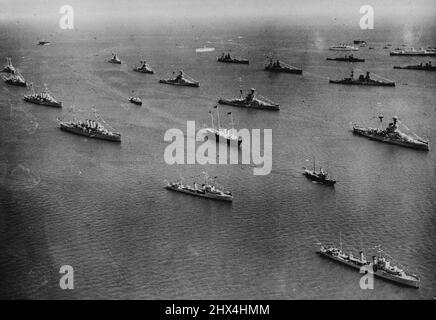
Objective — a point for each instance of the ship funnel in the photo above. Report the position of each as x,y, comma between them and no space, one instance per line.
362,257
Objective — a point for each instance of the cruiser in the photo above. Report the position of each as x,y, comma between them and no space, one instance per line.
363,81
380,265
144,68
90,129
16,79
181,80
223,134
44,98
251,101
206,190
136,100
9,68
114,59
321,176
392,135
226,58
280,66
426,67
347,58
413,52
343,47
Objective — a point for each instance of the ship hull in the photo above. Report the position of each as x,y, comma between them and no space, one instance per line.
73,129
187,84
197,193
364,133
379,273
114,62
361,83
235,103
144,71
17,84
236,61
48,104
284,70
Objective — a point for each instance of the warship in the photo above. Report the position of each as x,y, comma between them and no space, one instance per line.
280,66
391,135
44,98
347,58
343,47
223,134
321,176
114,59
425,67
380,265
143,68
9,68
16,79
181,80
226,58
90,129
44,43
363,81
413,52
136,100
251,100
207,190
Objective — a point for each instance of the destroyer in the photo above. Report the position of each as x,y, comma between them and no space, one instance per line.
206,190
347,58
280,66
251,100
392,135
181,80
321,176
425,67
226,58
380,265
144,68
9,68
90,129
343,47
114,59
363,81
44,98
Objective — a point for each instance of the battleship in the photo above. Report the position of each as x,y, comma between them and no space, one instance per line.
136,100
206,190
363,81
181,80
281,67
9,68
44,98
321,176
347,58
380,265
391,135
223,134
143,68
226,58
16,79
251,100
413,52
114,59
343,47
90,129
425,67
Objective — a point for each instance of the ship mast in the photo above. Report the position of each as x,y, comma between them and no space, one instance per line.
211,116
340,240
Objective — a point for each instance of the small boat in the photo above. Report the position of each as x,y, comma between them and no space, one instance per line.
223,134
343,47
143,68
181,80
281,67
350,58
44,98
207,190
320,176
136,100
226,58
114,59
425,67
204,49
251,100
363,81
9,68
359,42
44,43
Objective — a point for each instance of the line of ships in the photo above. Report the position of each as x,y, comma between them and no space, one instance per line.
93,129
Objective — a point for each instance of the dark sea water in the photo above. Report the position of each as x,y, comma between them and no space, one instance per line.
102,207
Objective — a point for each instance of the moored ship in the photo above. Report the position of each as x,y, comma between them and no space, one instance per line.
114,59
9,68
44,98
425,67
90,129
136,100
281,67
251,100
223,134
343,47
413,52
226,58
380,266
16,79
181,80
347,58
392,135
143,68
320,176
363,81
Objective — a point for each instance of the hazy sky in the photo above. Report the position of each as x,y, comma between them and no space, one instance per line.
303,10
